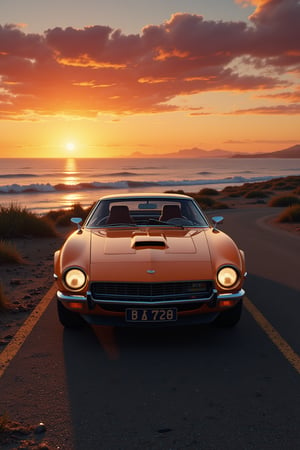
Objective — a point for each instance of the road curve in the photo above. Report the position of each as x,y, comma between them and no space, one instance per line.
188,388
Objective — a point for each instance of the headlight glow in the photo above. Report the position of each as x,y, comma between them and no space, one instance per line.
75,279
227,277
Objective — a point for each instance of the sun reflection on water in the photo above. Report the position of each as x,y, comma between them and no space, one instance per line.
69,200
71,178
71,175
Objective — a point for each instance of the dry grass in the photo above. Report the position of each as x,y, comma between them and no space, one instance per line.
284,200
62,217
207,203
277,184
16,221
297,191
3,305
208,191
9,254
3,422
290,214
257,193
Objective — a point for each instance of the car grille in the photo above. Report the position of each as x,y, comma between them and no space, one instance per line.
121,307
151,292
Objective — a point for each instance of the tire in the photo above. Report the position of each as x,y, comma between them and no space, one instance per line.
230,317
67,318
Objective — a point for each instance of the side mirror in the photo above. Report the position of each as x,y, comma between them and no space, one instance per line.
216,221
78,222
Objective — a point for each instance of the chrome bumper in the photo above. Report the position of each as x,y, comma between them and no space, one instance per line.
215,297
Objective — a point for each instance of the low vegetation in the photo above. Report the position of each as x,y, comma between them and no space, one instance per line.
257,193
204,198
290,183
208,191
297,191
205,202
290,214
9,253
234,191
284,200
3,422
16,222
62,217
3,306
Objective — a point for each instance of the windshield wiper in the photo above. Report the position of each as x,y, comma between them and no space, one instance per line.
121,224
169,224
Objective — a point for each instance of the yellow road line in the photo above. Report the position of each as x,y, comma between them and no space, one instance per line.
18,340
276,338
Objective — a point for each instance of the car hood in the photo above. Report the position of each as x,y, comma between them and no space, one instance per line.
162,255
122,243
149,255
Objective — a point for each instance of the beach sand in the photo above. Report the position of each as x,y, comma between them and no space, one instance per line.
24,285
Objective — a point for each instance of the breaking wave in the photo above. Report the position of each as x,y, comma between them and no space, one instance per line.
125,184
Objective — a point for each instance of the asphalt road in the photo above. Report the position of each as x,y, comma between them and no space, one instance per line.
173,389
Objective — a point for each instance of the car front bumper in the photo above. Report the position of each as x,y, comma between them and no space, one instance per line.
202,310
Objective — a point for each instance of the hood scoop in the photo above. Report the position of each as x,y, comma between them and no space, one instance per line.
149,242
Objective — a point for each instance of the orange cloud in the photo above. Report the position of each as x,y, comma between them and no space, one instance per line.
57,72
292,109
291,96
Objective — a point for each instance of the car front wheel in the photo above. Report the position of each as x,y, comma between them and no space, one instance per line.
67,318
230,317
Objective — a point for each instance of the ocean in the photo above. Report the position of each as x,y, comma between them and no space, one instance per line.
45,184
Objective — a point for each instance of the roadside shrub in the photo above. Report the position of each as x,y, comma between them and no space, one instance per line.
208,191
203,201
209,203
236,194
54,215
256,193
287,183
281,185
16,221
234,191
290,214
62,217
180,191
9,254
284,200
3,306
297,191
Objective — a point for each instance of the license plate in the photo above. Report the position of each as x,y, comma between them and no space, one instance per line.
151,315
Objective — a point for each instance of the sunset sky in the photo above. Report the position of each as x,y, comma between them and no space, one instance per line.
100,78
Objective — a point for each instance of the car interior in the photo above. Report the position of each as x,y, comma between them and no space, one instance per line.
146,212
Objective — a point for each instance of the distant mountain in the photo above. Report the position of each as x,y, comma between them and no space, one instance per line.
194,152
291,152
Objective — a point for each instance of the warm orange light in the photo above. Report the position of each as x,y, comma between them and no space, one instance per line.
227,303
75,305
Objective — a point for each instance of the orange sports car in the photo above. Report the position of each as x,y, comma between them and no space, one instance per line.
149,259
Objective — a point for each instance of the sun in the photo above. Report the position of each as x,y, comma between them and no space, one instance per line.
70,146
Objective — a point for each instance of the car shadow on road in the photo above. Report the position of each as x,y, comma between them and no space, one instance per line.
136,388
173,387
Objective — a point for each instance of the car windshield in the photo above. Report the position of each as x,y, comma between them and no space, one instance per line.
145,211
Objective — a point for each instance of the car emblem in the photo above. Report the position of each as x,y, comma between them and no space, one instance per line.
150,271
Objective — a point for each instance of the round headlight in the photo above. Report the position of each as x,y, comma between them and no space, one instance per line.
227,277
75,279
